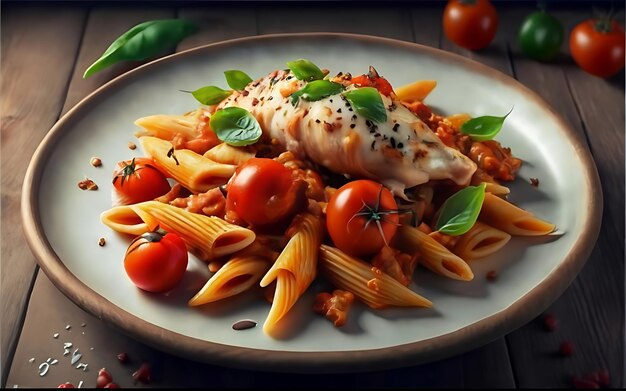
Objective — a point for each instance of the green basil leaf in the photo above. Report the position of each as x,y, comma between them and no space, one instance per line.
237,80
367,102
305,70
316,90
143,41
235,126
210,95
459,213
484,128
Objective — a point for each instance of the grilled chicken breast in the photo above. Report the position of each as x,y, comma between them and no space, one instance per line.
400,153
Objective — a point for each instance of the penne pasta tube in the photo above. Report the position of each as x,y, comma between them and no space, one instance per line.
505,216
491,186
127,220
193,171
207,236
416,91
480,241
227,154
295,268
167,127
435,256
369,284
237,275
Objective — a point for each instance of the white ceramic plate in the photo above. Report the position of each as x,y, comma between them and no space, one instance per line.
63,225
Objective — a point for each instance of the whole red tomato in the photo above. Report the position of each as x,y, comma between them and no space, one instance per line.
362,217
139,180
156,261
263,192
471,24
597,46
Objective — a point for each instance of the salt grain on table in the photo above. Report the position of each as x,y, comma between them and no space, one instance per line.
76,356
55,335
43,368
32,360
68,327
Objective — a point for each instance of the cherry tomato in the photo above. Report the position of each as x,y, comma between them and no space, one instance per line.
372,79
540,36
156,261
139,180
471,24
264,192
597,46
362,217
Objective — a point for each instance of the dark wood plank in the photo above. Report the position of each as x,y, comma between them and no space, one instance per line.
33,90
218,24
590,312
391,22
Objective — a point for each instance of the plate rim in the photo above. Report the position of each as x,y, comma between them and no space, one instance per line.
464,339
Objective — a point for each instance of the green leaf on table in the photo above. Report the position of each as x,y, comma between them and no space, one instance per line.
143,41
484,128
235,126
459,213
210,95
367,102
237,80
316,90
305,70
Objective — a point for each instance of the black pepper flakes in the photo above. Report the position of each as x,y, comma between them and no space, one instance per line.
244,324
339,110
317,121
354,117
400,145
352,126
373,145
270,98
393,142
395,127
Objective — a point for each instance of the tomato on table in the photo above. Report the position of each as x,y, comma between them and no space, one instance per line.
263,192
597,46
362,217
139,180
156,261
471,24
540,36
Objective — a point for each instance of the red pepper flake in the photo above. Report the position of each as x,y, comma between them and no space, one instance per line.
491,275
66,385
566,349
534,182
550,322
255,101
123,358
104,378
142,374
87,184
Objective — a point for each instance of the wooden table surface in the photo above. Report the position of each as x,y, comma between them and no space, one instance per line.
47,47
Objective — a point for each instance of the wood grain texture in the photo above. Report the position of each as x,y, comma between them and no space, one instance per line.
590,312
218,23
34,83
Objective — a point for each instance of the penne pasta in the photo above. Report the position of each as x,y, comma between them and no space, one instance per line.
505,216
206,236
369,284
480,241
193,171
435,256
227,154
416,91
295,268
168,126
491,185
237,275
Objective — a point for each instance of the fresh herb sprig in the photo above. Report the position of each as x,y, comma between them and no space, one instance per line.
484,128
143,41
460,211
